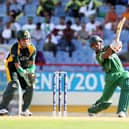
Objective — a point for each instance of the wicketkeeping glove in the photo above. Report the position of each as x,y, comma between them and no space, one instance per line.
31,77
28,77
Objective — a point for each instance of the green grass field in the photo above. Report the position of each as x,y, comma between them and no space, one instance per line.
63,123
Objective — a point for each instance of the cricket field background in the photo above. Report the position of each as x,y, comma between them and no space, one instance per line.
83,90
41,122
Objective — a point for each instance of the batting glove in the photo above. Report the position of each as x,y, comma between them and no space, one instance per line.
116,46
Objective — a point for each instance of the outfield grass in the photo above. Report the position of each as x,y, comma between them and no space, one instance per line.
63,123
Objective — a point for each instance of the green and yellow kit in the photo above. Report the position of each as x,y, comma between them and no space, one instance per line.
21,56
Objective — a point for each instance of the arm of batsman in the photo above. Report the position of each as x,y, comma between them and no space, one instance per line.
116,46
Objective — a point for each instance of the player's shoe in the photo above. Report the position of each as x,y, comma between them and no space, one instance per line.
122,114
26,113
3,111
91,114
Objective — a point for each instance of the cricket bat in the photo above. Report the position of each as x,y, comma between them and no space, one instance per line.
119,28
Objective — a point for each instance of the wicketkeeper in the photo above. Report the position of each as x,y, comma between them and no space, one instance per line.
20,64
115,76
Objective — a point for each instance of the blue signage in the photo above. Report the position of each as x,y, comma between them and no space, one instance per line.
75,81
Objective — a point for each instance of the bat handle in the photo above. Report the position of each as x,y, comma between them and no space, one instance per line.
117,40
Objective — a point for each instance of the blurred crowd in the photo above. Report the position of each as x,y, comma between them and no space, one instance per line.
63,25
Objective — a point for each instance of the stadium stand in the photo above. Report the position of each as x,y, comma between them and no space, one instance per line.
120,9
102,10
30,10
83,54
3,10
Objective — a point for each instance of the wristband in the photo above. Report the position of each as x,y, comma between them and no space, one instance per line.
31,69
20,70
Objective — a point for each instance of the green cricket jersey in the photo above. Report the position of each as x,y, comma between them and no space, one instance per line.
112,64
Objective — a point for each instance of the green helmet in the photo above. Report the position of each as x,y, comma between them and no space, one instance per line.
23,34
95,39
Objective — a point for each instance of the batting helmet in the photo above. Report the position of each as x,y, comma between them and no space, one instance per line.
95,39
23,34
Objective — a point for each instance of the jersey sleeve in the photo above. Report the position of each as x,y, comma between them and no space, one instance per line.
100,58
32,50
14,54
32,58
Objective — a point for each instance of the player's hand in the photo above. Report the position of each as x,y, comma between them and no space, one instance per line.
24,74
116,46
30,78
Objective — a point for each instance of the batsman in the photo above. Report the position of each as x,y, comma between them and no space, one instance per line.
20,65
115,76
